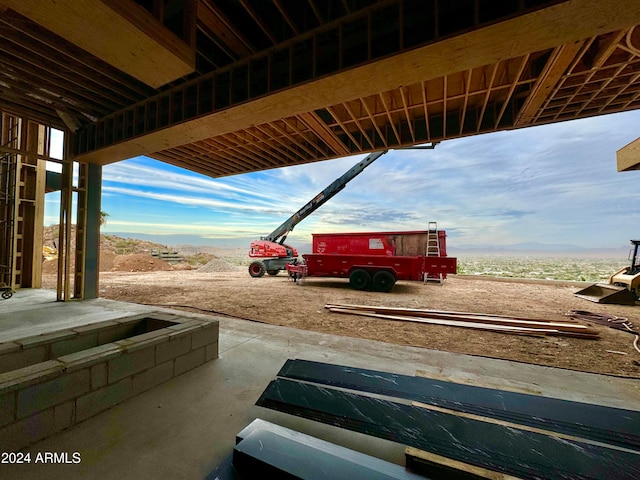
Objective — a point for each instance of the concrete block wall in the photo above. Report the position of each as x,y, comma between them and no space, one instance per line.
44,398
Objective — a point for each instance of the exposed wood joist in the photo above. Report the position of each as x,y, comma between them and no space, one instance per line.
555,67
320,129
219,24
540,29
145,49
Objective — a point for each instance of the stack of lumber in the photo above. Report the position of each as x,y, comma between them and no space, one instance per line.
479,321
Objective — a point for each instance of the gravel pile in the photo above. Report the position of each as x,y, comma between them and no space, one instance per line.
218,265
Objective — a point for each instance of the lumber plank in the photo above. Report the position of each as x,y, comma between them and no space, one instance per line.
516,330
435,465
379,309
570,328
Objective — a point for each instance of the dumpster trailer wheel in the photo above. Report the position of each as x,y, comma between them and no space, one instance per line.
383,281
359,279
256,269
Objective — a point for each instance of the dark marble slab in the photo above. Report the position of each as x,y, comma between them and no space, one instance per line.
610,425
494,447
272,451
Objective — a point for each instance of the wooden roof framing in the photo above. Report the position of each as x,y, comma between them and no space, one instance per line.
280,83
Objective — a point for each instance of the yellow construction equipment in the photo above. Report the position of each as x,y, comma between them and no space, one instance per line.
623,287
49,253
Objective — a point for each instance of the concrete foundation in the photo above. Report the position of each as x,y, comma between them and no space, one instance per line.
185,426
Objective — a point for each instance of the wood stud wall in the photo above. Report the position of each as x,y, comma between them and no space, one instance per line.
22,174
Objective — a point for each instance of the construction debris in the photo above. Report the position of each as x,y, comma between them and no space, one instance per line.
479,321
612,321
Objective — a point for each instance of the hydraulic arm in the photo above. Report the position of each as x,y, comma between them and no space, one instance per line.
272,249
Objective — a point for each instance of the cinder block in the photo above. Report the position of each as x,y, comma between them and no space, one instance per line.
186,325
20,434
81,342
167,317
205,336
93,327
39,397
64,415
129,363
131,319
178,345
38,373
152,377
48,338
112,334
22,358
144,340
7,408
189,361
98,376
95,402
90,356
8,347
211,351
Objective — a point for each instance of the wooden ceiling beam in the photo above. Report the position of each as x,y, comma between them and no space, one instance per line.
557,65
357,122
63,71
48,85
336,117
512,88
35,37
256,18
287,17
607,46
387,111
406,111
314,8
145,48
317,126
285,149
296,138
560,24
628,157
211,16
374,122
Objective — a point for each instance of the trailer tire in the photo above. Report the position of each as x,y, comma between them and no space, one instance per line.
256,269
273,272
359,279
383,281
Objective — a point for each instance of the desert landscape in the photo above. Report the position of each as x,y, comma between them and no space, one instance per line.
218,283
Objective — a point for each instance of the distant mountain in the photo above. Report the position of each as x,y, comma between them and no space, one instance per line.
192,240
537,249
517,249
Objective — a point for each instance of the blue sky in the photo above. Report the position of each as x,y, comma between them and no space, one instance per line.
553,184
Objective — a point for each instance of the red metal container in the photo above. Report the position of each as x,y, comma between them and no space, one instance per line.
403,267
400,244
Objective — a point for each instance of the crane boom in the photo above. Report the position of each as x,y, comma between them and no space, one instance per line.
324,196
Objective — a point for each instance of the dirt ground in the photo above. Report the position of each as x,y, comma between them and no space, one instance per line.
278,301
